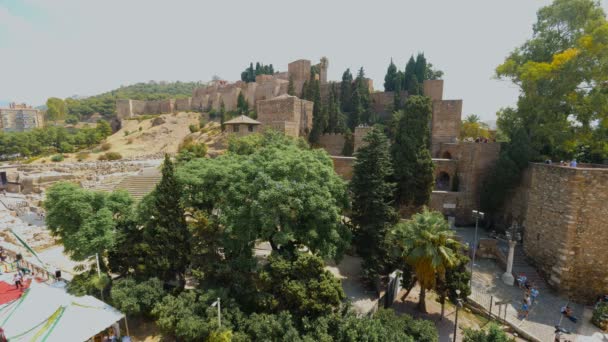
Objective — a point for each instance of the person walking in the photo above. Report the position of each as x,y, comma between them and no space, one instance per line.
534,294
18,281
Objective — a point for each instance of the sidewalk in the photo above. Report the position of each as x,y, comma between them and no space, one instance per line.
544,315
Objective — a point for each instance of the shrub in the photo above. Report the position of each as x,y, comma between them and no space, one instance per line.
82,156
130,141
600,316
72,120
106,146
141,128
137,298
126,132
113,156
493,333
102,157
66,147
193,128
57,158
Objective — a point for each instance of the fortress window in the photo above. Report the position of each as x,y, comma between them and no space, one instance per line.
250,128
446,155
442,182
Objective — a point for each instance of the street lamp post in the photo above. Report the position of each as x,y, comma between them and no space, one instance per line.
458,306
478,215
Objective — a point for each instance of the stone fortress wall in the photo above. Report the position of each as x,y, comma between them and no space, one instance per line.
565,226
20,118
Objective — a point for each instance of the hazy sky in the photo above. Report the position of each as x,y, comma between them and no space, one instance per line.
85,47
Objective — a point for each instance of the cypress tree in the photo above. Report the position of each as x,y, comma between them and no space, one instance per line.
410,152
421,68
414,86
346,89
335,118
397,96
410,72
305,91
364,112
166,236
222,114
349,143
390,79
242,106
372,209
319,121
353,117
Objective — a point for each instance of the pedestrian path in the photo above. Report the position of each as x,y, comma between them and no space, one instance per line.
488,288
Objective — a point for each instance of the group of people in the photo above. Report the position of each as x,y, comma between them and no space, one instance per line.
531,294
572,163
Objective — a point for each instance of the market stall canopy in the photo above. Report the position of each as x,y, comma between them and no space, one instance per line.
45,313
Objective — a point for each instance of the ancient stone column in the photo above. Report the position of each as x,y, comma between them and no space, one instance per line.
507,277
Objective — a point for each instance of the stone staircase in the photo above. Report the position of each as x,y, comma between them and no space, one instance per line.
140,185
520,265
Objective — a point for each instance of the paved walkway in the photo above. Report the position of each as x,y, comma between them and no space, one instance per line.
543,316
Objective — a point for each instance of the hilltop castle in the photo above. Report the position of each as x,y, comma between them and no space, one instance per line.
459,167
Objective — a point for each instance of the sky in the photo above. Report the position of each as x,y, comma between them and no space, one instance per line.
63,48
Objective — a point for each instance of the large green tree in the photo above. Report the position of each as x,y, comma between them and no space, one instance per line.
55,109
427,244
372,201
166,237
410,151
279,191
300,284
561,73
85,220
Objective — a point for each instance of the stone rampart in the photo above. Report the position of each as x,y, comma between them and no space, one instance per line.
565,230
470,164
332,143
344,166
183,105
299,70
433,89
445,122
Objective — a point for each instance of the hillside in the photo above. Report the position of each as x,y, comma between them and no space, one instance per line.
105,103
151,138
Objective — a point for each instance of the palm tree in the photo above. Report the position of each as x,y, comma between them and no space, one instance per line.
472,118
426,243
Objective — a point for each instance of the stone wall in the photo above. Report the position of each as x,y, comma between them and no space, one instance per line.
445,122
286,112
344,166
565,230
433,89
20,119
183,105
470,163
332,143
299,70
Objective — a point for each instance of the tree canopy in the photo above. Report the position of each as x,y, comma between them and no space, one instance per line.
372,201
85,220
260,69
426,243
410,152
561,73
